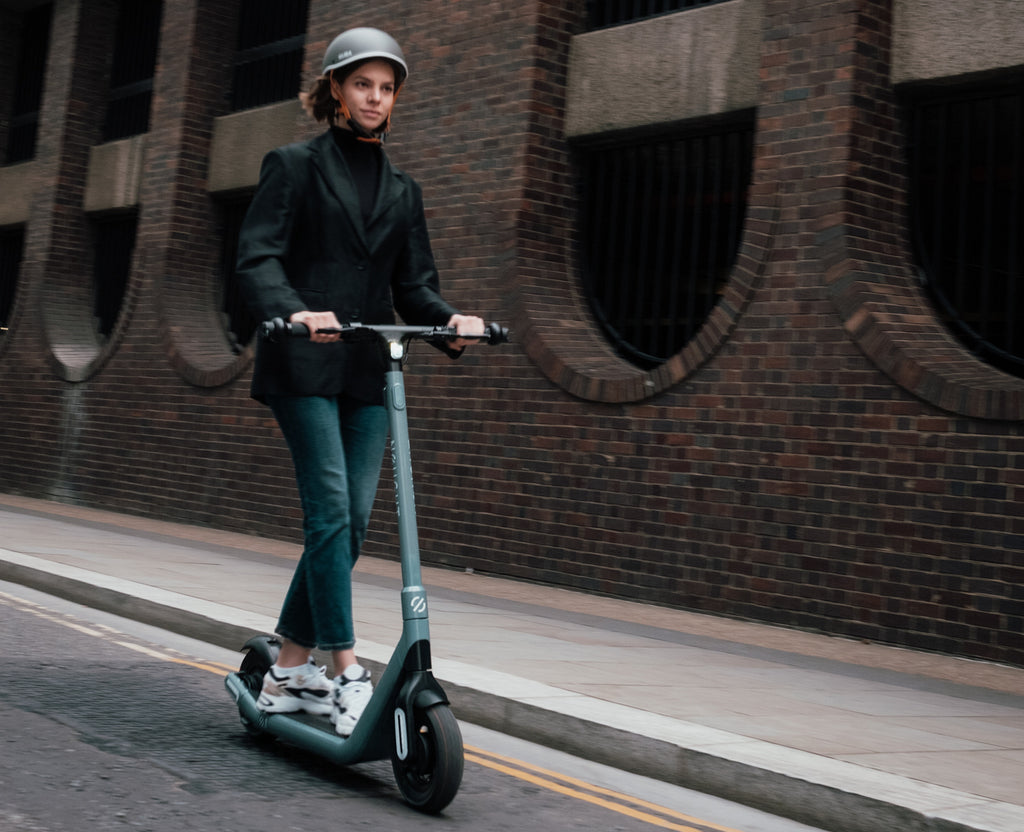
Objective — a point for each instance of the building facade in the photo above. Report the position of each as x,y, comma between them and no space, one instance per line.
761,260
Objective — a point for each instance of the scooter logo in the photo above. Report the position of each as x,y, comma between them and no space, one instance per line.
418,604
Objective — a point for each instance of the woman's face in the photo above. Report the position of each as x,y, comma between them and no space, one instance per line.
369,92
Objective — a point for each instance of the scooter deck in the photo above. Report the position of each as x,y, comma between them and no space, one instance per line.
308,731
317,721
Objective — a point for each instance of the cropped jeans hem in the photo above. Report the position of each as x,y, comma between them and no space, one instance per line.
327,647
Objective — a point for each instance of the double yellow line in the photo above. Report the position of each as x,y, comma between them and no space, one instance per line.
554,781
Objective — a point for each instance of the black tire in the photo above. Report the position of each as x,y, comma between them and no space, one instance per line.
260,655
255,663
431,774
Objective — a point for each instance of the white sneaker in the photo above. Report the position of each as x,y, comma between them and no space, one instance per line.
352,692
303,688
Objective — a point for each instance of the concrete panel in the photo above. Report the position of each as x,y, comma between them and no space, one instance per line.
17,184
937,38
241,140
693,63
115,172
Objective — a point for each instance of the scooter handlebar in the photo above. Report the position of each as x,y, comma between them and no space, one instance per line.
278,327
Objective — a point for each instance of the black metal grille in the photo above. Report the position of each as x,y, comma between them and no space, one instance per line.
660,223
28,89
268,60
12,245
114,243
131,74
601,13
966,171
238,320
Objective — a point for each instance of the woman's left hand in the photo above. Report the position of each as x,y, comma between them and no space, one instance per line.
465,325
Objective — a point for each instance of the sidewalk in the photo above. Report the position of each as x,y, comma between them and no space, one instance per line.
848,736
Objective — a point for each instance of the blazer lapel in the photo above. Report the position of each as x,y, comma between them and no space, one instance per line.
334,171
389,190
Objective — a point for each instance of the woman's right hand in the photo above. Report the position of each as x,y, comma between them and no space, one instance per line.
317,320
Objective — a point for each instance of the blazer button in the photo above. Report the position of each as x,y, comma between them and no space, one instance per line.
361,267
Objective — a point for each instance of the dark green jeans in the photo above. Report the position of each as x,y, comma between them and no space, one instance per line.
337,447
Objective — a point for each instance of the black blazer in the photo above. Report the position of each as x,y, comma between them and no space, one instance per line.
304,245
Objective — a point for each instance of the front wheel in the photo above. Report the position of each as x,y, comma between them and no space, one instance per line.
431,774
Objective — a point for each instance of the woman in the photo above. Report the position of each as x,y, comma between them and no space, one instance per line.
335,233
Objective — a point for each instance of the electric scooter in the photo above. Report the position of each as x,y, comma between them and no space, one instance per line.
408,717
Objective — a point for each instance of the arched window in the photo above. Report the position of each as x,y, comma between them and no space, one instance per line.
659,227
12,244
28,88
268,58
966,183
238,320
131,73
113,247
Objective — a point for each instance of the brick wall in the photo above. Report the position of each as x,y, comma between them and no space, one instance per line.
823,456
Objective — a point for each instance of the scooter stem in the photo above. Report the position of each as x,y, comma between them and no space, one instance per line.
414,604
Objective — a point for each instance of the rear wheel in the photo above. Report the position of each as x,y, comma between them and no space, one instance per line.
431,774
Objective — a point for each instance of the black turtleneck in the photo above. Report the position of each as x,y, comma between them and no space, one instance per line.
364,161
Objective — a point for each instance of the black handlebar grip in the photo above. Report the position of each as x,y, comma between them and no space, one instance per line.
278,327
497,334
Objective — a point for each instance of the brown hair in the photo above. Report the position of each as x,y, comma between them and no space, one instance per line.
318,101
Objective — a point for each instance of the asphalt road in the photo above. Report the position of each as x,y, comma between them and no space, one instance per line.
106,724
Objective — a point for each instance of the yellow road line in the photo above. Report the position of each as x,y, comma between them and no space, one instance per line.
212,667
563,784
581,790
108,634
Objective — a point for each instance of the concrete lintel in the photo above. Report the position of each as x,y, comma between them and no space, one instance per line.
694,63
936,39
115,174
17,184
240,141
